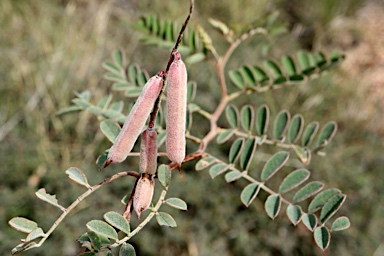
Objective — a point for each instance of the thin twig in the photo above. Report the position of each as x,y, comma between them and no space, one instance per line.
81,198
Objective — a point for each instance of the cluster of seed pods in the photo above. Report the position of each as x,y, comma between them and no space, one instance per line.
175,131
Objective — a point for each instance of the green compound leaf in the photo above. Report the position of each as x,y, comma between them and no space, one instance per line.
195,58
331,207
309,133
36,233
272,206
225,135
22,224
177,203
77,176
289,66
205,162
327,134
164,175
235,150
118,221
275,163
110,129
322,237
293,180
307,191
294,213
249,193
218,169
191,91
280,125
341,223
262,119
95,240
51,199
232,114
247,114
310,221
237,78
247,154
295,128
232,176
164,219
127,250
322,198
102,228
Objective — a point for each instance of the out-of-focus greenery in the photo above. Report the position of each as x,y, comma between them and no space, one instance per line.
49,49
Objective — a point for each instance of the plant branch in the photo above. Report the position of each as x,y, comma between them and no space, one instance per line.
79,199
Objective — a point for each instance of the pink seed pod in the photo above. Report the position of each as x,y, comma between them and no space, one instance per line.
176,108
143,193
148,151
135,121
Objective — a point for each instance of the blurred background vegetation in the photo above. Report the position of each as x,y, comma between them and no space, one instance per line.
50,49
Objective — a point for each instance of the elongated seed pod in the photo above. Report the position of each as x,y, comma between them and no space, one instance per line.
135,121
148,151
143,193
176,109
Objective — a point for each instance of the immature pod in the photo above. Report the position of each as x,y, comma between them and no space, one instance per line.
148,151
143,193
176,109
135,121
